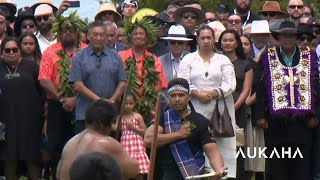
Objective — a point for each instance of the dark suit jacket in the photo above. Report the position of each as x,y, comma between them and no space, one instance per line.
121,46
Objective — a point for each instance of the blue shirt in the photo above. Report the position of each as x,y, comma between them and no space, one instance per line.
102,77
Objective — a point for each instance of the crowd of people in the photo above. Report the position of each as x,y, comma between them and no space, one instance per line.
63,81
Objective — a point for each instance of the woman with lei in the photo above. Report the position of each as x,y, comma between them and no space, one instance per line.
148,77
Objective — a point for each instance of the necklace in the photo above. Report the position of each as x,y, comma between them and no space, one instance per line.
14,74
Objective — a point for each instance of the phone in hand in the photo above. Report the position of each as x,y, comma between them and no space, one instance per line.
74,4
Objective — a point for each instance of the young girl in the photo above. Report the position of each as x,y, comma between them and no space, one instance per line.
133,129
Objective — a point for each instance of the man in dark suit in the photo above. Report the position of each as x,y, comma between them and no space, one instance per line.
112,37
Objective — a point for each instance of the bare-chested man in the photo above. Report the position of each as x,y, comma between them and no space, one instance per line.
99,117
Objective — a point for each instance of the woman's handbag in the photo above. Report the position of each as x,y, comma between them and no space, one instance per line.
222,126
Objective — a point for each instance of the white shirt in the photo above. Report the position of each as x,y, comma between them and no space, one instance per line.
43,42
175,64
257,51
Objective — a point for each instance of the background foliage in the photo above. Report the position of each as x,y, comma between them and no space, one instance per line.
256,5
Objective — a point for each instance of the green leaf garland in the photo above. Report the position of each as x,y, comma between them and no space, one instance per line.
149,79
64,89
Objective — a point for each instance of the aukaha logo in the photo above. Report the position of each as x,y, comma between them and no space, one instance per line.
260,152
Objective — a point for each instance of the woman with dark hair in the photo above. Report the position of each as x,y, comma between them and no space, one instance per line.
247,46
30,48
231,45
21,109
207,72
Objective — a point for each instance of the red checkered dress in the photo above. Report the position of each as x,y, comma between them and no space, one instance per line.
133,144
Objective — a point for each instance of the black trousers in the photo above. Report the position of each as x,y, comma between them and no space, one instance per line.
60,131
290,168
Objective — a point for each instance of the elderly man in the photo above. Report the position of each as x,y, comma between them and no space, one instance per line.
286,104
295,10
183,136
112,37
97,72
177,40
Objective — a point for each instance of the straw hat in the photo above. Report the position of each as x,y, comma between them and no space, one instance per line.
260,27
177,33
179,12
271,6
34,6
108,7
10,5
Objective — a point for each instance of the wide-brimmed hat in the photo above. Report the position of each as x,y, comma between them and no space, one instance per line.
177,15
305,29
177,33
34,6
286,27
218,28
12,7
271,6
108,7
260,27
23,14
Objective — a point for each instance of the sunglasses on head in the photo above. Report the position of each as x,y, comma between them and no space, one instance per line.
40,18
303,38
234,21
189,16
9,50
270,14
296,6
176,42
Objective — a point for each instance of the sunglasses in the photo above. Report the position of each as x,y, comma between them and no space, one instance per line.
28,25
303,38
210,20
234,21
270,14
107,13
98,62
68,30
40,18
9,50
189,16
296,6
176,42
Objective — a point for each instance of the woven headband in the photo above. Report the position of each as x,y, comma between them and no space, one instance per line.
178,88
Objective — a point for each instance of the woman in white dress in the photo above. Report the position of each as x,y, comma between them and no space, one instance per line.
206,71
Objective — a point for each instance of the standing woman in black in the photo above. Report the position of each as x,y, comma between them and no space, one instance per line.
21,106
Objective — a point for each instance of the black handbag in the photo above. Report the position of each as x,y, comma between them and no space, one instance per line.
222,125
2,131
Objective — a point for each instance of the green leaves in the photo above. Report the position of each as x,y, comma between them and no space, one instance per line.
149,78
64,89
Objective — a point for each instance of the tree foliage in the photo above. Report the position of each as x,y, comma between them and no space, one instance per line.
160,5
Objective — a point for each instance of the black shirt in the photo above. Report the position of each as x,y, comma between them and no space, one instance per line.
200,136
